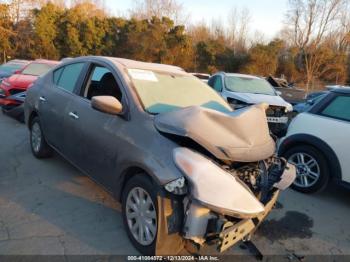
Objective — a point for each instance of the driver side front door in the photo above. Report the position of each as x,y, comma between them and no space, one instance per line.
95,138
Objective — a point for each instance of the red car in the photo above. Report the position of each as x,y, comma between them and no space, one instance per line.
20,82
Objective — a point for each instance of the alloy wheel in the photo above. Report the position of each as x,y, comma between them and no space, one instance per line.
141,216
36,137
308,169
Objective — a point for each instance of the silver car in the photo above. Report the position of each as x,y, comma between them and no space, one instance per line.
187,169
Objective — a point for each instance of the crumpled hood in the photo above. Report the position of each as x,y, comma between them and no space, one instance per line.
259,98
242,135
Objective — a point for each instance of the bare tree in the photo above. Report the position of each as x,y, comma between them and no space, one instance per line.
259,38
20,9
199,32
342,35
310,24
90,8
146,9
238,28
217,29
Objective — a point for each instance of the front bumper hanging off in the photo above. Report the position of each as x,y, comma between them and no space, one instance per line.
169,237
243,230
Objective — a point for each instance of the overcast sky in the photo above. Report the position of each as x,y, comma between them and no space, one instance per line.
267,15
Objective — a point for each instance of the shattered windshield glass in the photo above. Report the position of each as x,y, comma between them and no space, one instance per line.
162,92
248,85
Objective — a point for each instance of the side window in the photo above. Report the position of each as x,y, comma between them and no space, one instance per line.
67,77
217,85
339,108
99,72
101,82
56,75
212,81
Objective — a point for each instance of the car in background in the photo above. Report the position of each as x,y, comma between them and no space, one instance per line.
288,91
245,90
332,87
20,82
311,99
201,76
11,67
318,143
16,112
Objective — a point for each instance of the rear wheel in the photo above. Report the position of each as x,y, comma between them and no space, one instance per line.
39,146
312,169
140,214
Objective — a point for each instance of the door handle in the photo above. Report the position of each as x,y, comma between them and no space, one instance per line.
42,99
73,115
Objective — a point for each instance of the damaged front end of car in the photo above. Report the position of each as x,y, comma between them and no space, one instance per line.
231,181
228,203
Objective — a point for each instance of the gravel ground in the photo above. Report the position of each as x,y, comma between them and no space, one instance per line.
47,207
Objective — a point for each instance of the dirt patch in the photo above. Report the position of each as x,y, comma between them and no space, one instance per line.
292,225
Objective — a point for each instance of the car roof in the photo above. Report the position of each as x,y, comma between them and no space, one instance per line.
18,61
345,91
44,61
240,75
133,64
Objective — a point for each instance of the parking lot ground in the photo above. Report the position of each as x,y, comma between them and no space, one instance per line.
49,207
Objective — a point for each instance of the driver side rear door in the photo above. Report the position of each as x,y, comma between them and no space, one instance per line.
53,102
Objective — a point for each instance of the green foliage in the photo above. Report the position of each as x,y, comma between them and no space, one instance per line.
6,29
263,59
54,32
46,30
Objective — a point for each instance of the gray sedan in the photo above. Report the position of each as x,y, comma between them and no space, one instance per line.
165,145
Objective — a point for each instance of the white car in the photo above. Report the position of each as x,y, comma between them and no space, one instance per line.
317,142
245,90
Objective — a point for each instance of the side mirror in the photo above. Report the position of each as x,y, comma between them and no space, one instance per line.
279,93
310,102
17,72
107,104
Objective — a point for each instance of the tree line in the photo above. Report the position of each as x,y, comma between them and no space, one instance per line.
311,50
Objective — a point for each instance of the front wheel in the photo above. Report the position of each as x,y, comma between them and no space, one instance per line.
312,168
39,146
140,213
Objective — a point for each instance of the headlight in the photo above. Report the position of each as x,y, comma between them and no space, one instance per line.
215,188
177,187
289,108
237,104
5,83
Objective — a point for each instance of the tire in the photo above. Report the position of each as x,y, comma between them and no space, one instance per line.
40,148
141,182
314,163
